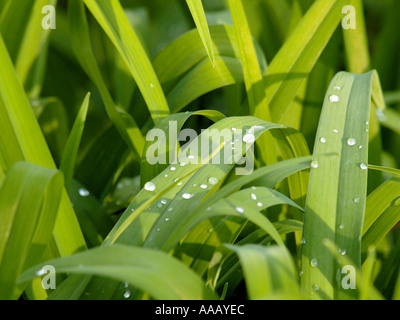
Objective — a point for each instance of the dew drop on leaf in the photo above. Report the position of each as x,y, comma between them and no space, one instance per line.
83,192
351,141
187,195
334,98
363,166
314,262
149,186
314,164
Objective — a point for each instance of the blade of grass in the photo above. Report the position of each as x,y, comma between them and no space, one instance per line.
337,188
356,41
199,17
29,201
268,271
110,15
81,43
295,60
21,139
72,146
162,276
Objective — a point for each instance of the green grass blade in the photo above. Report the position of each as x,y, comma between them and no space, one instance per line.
363,286
21,139
382,212
72,146
356,42
81,43
295,60
199,17
110,15
251,68
162,276
34,40
29,201
335,205
268,271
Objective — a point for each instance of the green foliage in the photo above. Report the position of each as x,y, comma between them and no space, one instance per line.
77,189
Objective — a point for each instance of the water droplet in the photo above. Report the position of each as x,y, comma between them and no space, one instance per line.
210,230
158,229
190,156
165,175
342,251
303,240
396,202
363,166
182,164
322,140
334,98
151,85
367,130
173,168
203,186
166,219
351,141
179,183
316,287
249,138
259,204
132,210
341,227
149,186
239,209
301,273
337,88
212,180
127,294
83,192
314,164
314,262
170,209
233,129
335,130
163,201
208,209
356,200
379,113
360,147
253,196
126,284
187,195
367,123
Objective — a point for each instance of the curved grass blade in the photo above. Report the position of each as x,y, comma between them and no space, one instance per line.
382,213
171,126
162,276
29,201
21,139
268,271
296,58
338,185
34,42
72,146
356,41
251,68
199,17
81,43
110,15
362,286
188,174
